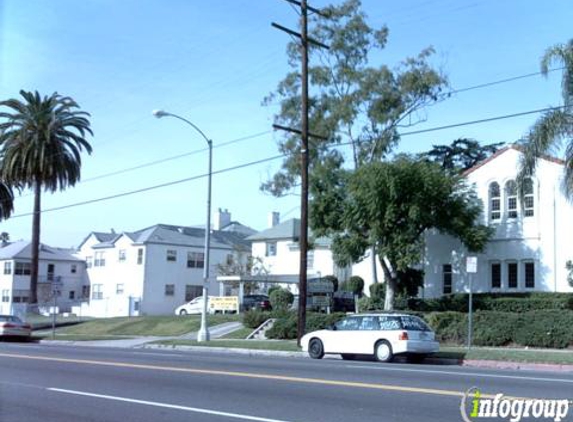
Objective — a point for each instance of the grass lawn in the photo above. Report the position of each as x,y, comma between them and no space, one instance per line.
240,334
275,345
144,325
564,357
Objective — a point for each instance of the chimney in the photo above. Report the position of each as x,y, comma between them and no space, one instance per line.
274,219
223,219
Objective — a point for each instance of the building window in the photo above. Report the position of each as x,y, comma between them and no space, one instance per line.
494,201
85,292
512,275
271,249
97,292
140,256
8,267
195,260
72,295
171,255
121,255
6,295
89,261
169,289
20,296
529,275
119,289
23,268
511,198
74,269
310,260
528,198
191,292
447,278
99,260
496,275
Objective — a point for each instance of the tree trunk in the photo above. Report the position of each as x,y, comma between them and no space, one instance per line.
374,269
391,284
35,245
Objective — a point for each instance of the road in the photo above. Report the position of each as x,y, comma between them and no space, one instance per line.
63,383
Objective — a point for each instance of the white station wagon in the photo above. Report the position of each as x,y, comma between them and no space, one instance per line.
380,335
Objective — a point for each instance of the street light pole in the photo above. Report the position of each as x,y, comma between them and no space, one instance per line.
203,334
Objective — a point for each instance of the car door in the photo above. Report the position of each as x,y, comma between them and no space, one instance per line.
365,335
339,339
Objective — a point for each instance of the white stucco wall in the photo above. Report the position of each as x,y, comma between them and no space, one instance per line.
544,238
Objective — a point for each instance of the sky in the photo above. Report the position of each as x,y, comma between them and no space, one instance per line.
213,62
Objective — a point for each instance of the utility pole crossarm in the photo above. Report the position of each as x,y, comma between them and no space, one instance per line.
312,9
290,129
296,34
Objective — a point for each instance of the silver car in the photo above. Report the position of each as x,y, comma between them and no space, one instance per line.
12,326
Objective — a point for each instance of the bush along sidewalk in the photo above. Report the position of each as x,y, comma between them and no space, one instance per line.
541,328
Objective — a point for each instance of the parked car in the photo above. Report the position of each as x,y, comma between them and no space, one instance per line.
260,302
380,335
193,307
12,326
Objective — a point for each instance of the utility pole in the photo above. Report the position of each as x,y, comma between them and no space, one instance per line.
303,240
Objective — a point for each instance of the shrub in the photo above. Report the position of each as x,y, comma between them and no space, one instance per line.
272,289
450,327
254,318
548,328
333,280
366,304
355,285
285,328
281,299
378,290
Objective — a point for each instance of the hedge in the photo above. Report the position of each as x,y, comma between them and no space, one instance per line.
286,326
544,328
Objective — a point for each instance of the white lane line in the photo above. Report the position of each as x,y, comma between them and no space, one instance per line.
465,374
168,406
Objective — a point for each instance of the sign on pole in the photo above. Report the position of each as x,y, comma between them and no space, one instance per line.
471,264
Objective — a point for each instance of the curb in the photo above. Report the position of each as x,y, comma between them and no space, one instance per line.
496,364
229,350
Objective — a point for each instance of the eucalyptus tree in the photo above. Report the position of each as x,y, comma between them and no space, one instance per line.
555,126
351,103
41,140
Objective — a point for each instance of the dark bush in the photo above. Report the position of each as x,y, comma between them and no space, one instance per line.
272,289
332,279
254,318
286,327
378,290
547,328
355,285
450,327
281,299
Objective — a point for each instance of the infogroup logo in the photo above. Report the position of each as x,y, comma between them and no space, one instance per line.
511,408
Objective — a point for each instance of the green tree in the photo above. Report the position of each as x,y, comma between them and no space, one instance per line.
393,204
549,131
281,299
461,155
6,199
41,139
350,100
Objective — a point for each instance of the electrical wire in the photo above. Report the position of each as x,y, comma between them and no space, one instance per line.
275,157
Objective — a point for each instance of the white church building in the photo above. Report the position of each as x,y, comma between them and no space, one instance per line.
533,237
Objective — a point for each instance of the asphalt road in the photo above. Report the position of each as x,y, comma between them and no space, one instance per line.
64,383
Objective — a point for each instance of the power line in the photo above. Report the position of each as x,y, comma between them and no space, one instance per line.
275,157
501,81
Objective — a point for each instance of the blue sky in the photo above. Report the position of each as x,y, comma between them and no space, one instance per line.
213,62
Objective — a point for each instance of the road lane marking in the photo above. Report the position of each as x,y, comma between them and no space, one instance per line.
167,405
465,374
318,381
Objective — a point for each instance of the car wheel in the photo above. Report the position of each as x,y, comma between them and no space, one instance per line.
315,349
182,312
383,351
348,356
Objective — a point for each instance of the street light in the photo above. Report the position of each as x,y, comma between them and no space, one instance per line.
203,334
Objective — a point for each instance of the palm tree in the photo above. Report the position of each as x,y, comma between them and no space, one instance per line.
6,202
556,125
40,144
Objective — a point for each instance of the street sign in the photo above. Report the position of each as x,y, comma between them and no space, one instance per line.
320,287
471,264
224,303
